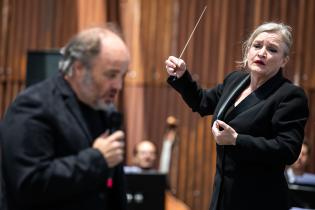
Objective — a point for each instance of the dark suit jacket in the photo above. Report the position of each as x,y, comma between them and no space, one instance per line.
270,125
3,200
47,155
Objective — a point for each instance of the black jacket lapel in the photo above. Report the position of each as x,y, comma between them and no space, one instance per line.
258,95
72,104
229,100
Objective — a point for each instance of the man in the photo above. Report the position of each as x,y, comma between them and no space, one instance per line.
296,173
60,149
144,158
144,162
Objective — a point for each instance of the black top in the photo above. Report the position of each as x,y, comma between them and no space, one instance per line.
95,119
48,162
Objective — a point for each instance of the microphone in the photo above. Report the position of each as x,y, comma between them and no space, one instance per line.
114,118
114,123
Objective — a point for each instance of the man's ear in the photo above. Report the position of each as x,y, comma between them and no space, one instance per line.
78,68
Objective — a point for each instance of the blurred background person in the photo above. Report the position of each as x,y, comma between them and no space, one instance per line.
144,158
297,172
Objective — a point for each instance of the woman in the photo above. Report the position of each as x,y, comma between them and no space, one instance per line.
258,121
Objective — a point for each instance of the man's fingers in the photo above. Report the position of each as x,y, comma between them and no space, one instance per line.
105,134
116,136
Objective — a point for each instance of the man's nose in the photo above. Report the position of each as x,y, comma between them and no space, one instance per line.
117,83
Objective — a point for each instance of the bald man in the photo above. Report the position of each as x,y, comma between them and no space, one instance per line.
144,158
145,155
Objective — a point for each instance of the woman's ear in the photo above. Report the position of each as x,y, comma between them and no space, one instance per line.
285,61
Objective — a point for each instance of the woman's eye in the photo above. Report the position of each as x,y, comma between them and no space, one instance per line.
273,50
256,45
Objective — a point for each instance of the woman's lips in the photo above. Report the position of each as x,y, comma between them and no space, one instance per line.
259,62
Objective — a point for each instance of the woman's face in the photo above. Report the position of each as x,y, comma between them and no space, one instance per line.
266,55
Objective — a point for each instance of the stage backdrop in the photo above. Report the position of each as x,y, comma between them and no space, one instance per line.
154,30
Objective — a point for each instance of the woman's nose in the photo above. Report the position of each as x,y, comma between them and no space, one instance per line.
262,52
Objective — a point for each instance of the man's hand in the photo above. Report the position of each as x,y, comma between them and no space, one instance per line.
111,147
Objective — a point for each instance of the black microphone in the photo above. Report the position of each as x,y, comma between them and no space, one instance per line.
114,118
114,123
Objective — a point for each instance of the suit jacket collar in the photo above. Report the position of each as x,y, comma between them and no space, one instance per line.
258,95
71,102
232,96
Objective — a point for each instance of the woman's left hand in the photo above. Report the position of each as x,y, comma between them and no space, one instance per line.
223,133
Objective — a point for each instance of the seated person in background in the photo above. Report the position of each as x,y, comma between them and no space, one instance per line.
145,154
296,173
144,158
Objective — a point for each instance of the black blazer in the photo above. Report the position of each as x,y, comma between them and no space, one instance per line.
270,125
3,199
47,155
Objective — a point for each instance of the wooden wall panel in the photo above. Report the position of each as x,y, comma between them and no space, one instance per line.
154,30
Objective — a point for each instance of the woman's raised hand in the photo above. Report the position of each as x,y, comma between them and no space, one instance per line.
175,66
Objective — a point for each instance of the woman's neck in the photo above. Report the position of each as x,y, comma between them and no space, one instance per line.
257,80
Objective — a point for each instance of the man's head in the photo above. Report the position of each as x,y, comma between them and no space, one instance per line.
95,62
145,155
300,165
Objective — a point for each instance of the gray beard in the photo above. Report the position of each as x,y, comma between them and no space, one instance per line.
105,107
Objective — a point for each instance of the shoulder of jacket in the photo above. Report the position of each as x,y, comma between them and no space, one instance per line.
236,74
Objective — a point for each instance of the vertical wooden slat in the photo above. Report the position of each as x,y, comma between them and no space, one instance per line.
183,28
183,169
307,73
198,179
191,20
257,12
190,166
222,40
11,55
299,42
283,9
206,42
5,9
209,158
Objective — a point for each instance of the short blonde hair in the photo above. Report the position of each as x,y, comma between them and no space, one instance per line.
280,28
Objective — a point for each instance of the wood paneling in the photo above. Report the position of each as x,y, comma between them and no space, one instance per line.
154,30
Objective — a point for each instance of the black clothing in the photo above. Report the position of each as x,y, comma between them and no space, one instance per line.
48,159
270,125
